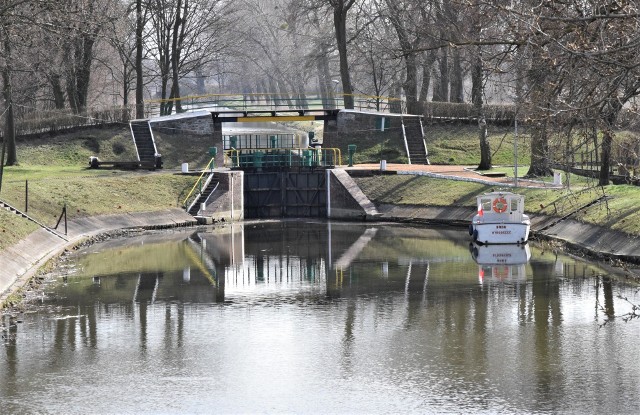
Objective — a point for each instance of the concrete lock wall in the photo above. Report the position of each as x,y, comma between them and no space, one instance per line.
346,200
358,126
227,202
202,125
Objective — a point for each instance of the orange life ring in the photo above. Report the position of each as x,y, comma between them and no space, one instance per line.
499,205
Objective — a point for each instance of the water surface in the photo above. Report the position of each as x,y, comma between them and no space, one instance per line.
315,317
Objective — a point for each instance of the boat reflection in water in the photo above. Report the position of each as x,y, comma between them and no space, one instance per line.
499,263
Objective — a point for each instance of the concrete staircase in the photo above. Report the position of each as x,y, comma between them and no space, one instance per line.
414,139
210,186
9,208
145,144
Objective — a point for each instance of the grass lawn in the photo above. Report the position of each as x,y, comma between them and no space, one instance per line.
56,172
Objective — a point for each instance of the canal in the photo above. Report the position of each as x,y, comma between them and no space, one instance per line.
317,317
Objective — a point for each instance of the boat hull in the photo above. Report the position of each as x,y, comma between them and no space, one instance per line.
500,233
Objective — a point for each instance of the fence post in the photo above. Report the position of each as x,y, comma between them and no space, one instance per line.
26,196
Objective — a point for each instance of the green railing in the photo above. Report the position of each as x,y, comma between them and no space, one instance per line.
282,157
198,184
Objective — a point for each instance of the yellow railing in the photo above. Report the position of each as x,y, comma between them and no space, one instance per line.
198,183
282,157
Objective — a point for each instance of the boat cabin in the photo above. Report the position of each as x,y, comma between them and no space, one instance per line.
501,206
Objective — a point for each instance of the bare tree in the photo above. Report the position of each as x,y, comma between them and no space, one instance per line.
188,34
340,13
407,17
582,68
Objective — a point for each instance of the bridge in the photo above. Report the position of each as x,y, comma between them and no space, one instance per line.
284,169
270,102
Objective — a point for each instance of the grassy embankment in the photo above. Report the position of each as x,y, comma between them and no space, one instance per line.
459,145
56,169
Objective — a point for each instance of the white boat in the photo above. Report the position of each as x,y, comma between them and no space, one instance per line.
500,219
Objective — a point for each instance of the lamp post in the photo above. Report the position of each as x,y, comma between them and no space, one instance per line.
335,93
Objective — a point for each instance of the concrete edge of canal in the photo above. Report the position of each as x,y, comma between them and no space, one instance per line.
597,242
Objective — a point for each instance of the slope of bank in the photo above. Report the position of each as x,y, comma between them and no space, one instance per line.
601,222
596,241
22,260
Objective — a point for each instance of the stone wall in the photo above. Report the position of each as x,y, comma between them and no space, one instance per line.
199,124
346,200
364,128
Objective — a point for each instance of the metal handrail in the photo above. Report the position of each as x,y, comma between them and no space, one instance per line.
199,181
272,101
232,156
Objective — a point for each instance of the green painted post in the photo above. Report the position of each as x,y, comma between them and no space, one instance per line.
233,144
213,152
352,151
306,158
257,160
274,141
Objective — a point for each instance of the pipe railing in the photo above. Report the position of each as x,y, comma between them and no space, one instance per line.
282,157
198,183
267,101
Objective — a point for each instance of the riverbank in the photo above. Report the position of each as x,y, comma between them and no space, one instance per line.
557,215
22,261
596,242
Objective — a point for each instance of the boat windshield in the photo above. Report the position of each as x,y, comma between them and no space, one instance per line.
514,205
486,204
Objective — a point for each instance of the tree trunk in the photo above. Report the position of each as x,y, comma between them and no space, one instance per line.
605,166
58,91
9,141
175,58
84,73
485,148
539,151
442,86
139,80
284,93
540,103
410,85
79,71
395,106
457,89
477,92
200,82
324,81
426,76
126,85
340,23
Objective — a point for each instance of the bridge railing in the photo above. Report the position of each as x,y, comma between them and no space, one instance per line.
258,158
266,101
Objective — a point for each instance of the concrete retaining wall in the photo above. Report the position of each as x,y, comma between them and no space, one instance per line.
346,200
227,202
